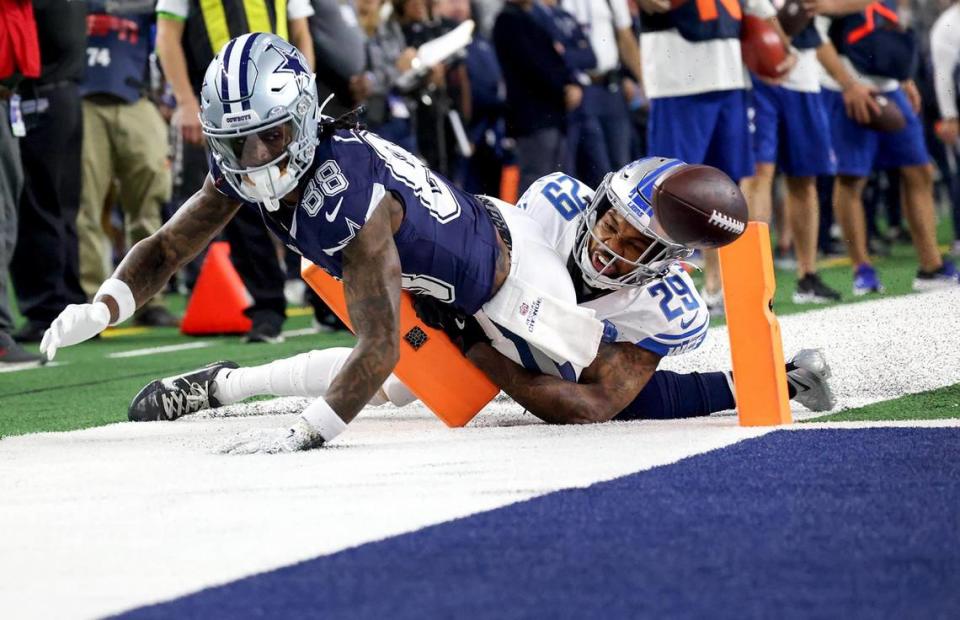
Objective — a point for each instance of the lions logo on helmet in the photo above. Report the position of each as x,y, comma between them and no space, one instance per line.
630,192
258,110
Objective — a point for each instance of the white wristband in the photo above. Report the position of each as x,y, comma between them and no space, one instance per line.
121,293
324,420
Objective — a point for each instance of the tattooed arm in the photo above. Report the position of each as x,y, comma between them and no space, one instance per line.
606,387
371,281
152,261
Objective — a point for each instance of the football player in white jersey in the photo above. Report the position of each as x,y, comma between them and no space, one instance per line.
628,273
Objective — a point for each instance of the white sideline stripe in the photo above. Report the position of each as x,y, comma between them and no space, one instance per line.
296,333
28,366
166,349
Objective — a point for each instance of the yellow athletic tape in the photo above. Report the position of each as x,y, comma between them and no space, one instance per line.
120,332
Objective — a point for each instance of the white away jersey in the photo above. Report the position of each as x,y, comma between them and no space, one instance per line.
666,316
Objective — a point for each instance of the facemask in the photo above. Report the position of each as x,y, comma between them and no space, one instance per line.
268,185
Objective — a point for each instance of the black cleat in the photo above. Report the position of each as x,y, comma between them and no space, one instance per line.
812,290
174,397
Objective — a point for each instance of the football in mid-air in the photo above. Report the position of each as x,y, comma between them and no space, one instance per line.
761,46
700,207
793,18
889,119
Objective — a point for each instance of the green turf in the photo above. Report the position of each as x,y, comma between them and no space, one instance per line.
90,389
934,405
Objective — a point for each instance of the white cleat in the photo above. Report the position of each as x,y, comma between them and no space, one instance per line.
808,373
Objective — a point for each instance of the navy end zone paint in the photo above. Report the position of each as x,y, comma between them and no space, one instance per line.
822,523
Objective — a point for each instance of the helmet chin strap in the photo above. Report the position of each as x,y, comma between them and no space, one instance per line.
268,185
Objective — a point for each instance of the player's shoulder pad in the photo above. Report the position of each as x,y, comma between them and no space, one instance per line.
536,189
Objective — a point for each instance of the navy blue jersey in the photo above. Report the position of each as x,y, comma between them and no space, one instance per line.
808,38
446,242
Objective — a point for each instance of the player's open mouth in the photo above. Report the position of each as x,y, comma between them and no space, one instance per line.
602,262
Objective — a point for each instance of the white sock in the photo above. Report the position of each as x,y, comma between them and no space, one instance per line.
307,374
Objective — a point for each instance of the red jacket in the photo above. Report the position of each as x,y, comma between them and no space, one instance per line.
19,49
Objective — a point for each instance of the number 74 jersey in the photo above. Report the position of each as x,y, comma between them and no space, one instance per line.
666,315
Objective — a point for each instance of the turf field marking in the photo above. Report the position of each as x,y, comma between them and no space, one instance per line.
296,333
27,366
167,349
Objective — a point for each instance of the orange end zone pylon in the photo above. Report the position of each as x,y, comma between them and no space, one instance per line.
219,297
760,378
430,365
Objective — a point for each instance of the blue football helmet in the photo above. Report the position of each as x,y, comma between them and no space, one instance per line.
630,192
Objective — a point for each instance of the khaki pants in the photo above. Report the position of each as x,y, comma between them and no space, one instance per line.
126,142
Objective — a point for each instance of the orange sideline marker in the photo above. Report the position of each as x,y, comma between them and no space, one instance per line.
510,184
760,377
219,297
430,365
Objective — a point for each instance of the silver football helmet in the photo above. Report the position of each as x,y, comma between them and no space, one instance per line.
258,110
629,191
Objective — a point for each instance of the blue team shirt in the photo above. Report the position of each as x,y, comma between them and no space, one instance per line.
446,242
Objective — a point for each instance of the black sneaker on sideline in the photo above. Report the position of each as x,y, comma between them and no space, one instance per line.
156,316
13,353
266,331
812,290
32,331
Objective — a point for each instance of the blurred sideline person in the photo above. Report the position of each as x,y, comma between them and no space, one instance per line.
540,90
481,172
388,56
189,34
852,77
694,76
945,53
124,138
791,131
586,145
46,265
340,53
19,59
605,114
649,305
359,207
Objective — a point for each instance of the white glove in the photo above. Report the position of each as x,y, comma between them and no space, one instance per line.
74,325
301,436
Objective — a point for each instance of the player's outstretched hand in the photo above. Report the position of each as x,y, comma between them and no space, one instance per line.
299,437
77,322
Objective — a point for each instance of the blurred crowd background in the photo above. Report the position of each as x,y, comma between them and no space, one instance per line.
100,141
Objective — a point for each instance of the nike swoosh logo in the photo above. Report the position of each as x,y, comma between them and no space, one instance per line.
686,324
332,215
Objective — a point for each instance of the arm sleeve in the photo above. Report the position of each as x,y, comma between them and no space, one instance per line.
760,8
945,51
174,8
621,14
299,8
